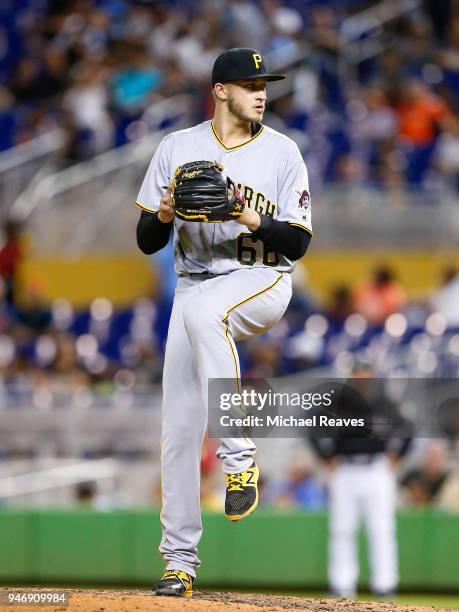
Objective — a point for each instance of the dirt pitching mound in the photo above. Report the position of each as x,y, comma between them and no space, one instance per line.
202,601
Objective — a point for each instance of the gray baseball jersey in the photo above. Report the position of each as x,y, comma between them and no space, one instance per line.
270,173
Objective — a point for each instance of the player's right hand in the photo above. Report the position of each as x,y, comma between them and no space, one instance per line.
166,209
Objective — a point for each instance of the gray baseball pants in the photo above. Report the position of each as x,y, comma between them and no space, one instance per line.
208,316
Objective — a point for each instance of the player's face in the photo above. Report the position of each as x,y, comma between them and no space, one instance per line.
247,99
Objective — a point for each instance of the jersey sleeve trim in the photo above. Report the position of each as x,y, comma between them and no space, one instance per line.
303,227
144,207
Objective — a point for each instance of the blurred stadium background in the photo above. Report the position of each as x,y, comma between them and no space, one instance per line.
87,90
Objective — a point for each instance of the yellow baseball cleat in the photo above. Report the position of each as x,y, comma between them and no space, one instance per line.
241,493
175,583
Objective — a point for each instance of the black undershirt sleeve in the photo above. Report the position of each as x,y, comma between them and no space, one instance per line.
286,239
152,235
293,242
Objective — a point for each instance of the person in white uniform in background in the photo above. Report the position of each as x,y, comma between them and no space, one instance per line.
363,486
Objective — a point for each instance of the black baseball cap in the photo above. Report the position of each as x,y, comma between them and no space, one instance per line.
239,64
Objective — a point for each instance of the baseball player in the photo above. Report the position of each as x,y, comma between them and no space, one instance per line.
362,486
233,283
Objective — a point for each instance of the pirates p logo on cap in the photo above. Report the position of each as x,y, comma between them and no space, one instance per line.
257,59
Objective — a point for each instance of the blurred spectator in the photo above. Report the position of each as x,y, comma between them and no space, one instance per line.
246,24
423,484
11,258
86,103
53,77
68,374
440,12
420,114
132,86
323,29
212,493
447,498
348,169
447,56
446,299
341,305
379,297
376,130
447,155
4,309
299,488
85,495
33,311
7,119
264,355
325,40
302,303
286,25
25,80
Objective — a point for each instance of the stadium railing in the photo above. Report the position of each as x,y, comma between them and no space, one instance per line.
360,34
71,209
358,216
21,164
57,477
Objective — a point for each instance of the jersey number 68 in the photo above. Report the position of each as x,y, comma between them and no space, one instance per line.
250,251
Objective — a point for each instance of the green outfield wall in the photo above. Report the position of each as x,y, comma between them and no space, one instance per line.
270,549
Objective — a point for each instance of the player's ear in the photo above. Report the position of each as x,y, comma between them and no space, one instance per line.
219,92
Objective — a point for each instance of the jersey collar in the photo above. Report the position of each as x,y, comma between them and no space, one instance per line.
257,129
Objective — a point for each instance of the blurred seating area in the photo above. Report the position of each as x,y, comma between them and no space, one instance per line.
50,350
88,384
372,322
56,347
372,101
